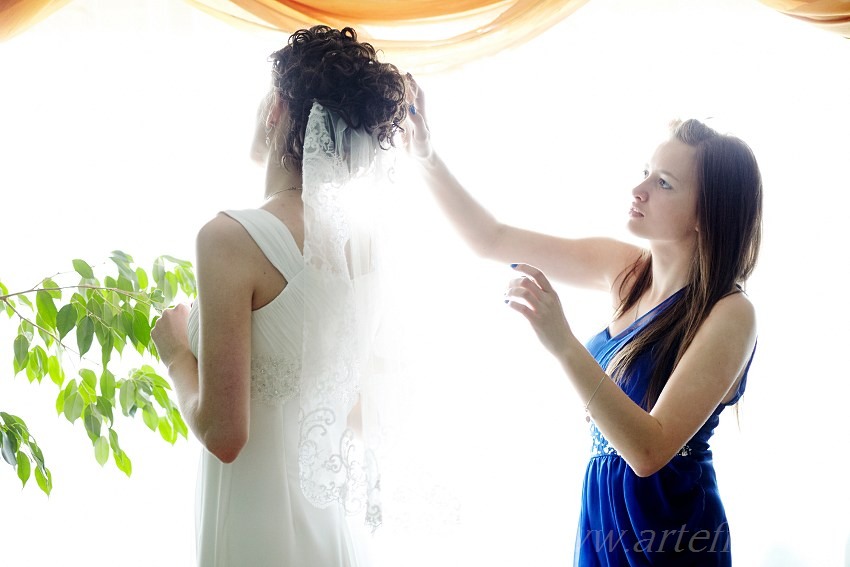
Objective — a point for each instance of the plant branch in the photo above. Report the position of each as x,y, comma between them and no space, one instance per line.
37,326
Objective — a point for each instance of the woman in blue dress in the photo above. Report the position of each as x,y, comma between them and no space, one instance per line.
675,353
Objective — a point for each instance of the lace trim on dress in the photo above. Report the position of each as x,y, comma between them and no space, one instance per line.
274,379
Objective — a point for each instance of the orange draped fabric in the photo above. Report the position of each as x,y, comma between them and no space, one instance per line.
418,35
832,15
18,15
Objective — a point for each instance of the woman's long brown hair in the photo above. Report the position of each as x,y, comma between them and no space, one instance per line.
729,211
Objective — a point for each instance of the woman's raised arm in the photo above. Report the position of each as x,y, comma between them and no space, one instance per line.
587,262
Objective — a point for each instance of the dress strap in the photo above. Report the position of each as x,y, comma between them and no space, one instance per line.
273,238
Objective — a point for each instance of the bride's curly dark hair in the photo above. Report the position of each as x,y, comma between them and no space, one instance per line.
331,67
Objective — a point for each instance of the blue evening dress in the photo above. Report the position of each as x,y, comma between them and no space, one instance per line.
673,517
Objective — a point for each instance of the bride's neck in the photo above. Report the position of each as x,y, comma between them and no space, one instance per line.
279,180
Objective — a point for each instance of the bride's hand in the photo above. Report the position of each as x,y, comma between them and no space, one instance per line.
417,136
533,296
170,334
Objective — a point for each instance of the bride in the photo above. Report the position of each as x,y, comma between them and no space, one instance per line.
271,365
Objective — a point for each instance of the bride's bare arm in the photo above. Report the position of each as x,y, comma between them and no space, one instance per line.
214,391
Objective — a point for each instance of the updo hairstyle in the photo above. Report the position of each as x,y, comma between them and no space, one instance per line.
332,68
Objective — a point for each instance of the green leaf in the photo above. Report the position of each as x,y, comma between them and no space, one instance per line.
104,406
23,468
109,309
171,287
26,329
37,364
121,255
46,307
127,396
123,463
142,277
149,417
49,283
55,371
123,262
158,272
10,419
88,386
44,480
101,331
178,261
8,447
107,384
127,324
36,453
187,281
92,422
89,377
107,342
161,396
101,450
79,303
95,304
166,431
125,284
83,268
9,304
157,296
113,441
85,334
43,331
66,319
177,421
21,346
26,301
119,339
144,308
60,403
141,328
74,403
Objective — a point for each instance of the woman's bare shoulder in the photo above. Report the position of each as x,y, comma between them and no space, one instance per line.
223,234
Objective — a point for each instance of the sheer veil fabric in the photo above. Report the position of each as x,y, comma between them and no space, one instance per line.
344,170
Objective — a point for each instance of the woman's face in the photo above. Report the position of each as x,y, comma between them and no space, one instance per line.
665,203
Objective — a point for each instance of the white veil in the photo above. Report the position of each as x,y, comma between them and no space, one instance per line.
340,421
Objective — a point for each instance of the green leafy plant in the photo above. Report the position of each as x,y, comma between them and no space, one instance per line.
76,333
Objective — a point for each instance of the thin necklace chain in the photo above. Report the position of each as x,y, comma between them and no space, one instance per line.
293,188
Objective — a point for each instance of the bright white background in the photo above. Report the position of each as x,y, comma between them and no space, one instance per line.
125,125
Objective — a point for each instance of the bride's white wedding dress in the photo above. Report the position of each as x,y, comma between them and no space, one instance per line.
252,512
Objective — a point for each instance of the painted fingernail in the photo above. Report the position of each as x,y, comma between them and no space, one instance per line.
513,265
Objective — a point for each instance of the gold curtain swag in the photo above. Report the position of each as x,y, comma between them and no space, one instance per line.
18,15
831,15
417,35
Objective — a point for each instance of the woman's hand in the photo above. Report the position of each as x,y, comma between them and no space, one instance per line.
170,334
533,296
417,135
